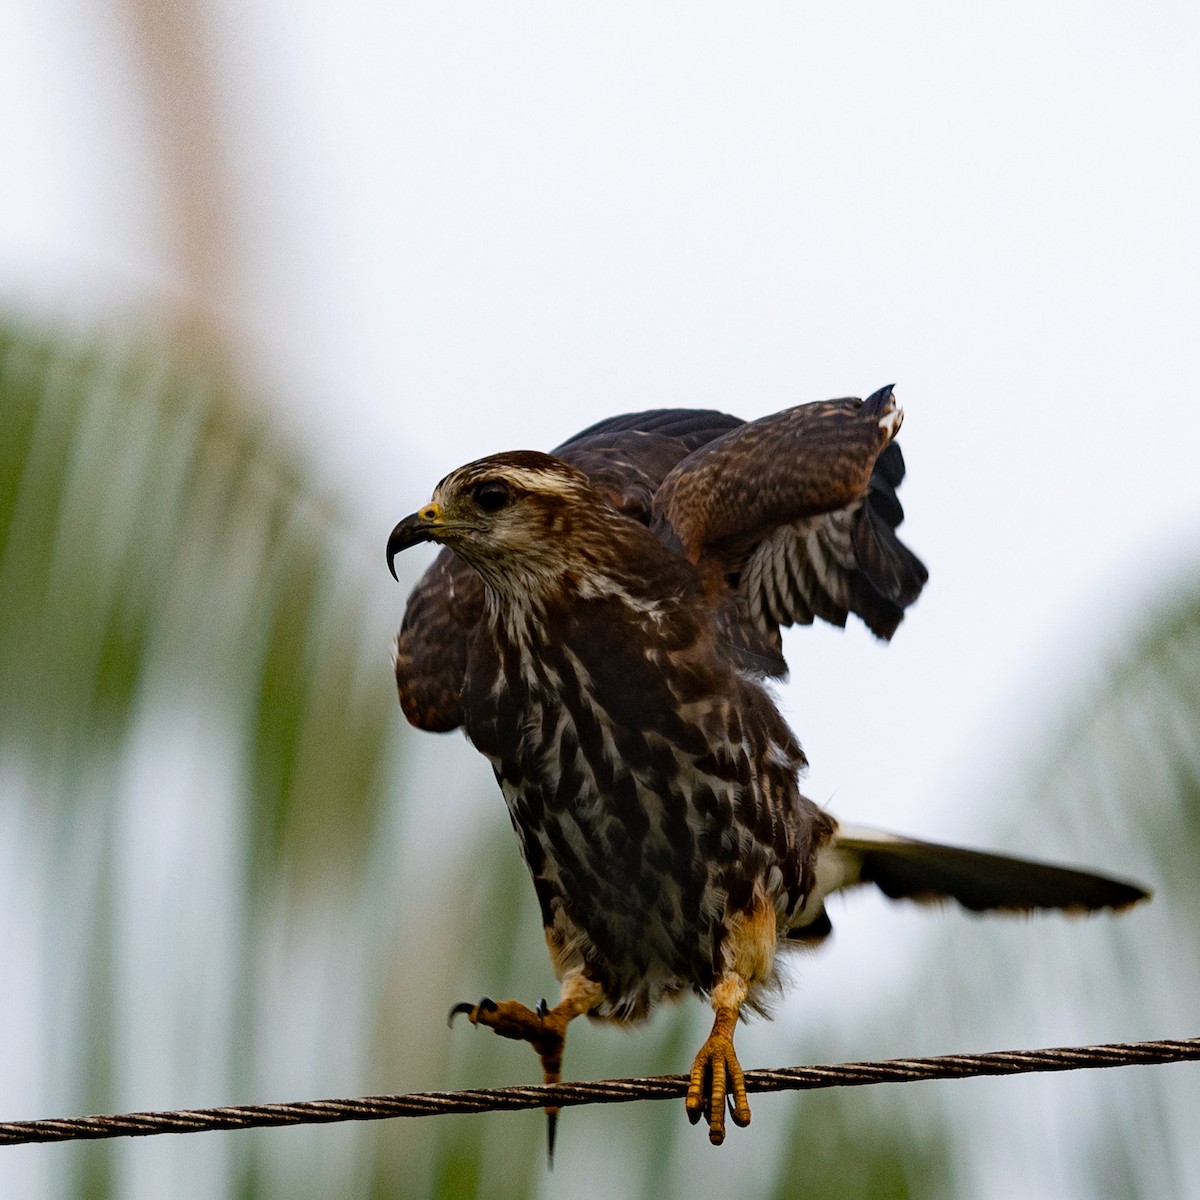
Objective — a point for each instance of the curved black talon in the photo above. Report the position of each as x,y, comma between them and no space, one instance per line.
543,1009
468,1009
487,1004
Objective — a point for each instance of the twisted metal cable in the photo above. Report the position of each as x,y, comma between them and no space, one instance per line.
610,1091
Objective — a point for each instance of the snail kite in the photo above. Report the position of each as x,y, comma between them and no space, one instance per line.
602,623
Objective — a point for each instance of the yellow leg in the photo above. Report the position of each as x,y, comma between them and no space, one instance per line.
716,1073
545,1029
748,954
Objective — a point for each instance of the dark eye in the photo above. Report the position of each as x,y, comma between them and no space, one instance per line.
491,495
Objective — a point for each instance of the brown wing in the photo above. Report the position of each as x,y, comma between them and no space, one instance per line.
799,511
443,612
626,458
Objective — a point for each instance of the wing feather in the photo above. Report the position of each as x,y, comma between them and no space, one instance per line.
692,426
430,658
799,463
800,510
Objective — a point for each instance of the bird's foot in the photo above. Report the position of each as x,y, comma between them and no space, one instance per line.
544,1028
717,1078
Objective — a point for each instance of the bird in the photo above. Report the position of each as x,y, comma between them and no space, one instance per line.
604,623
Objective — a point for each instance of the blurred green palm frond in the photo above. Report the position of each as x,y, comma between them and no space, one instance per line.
151,532
1115,783
197,738
1132,756
1126,774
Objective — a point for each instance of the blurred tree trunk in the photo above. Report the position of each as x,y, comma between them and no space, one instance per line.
178,66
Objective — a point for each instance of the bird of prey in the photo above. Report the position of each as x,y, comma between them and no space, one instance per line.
603,622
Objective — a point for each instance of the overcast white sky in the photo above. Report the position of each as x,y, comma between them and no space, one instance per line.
460,228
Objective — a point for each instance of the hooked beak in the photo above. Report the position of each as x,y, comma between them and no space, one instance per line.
422,526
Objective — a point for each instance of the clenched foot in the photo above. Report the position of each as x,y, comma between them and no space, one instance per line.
717,1077
545,1029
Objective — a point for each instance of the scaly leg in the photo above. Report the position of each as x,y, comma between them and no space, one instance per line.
716,1072
748,958
545,1029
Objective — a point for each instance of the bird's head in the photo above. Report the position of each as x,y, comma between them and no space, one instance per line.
511,516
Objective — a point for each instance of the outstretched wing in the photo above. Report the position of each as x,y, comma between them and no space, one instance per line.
799,511
626,458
